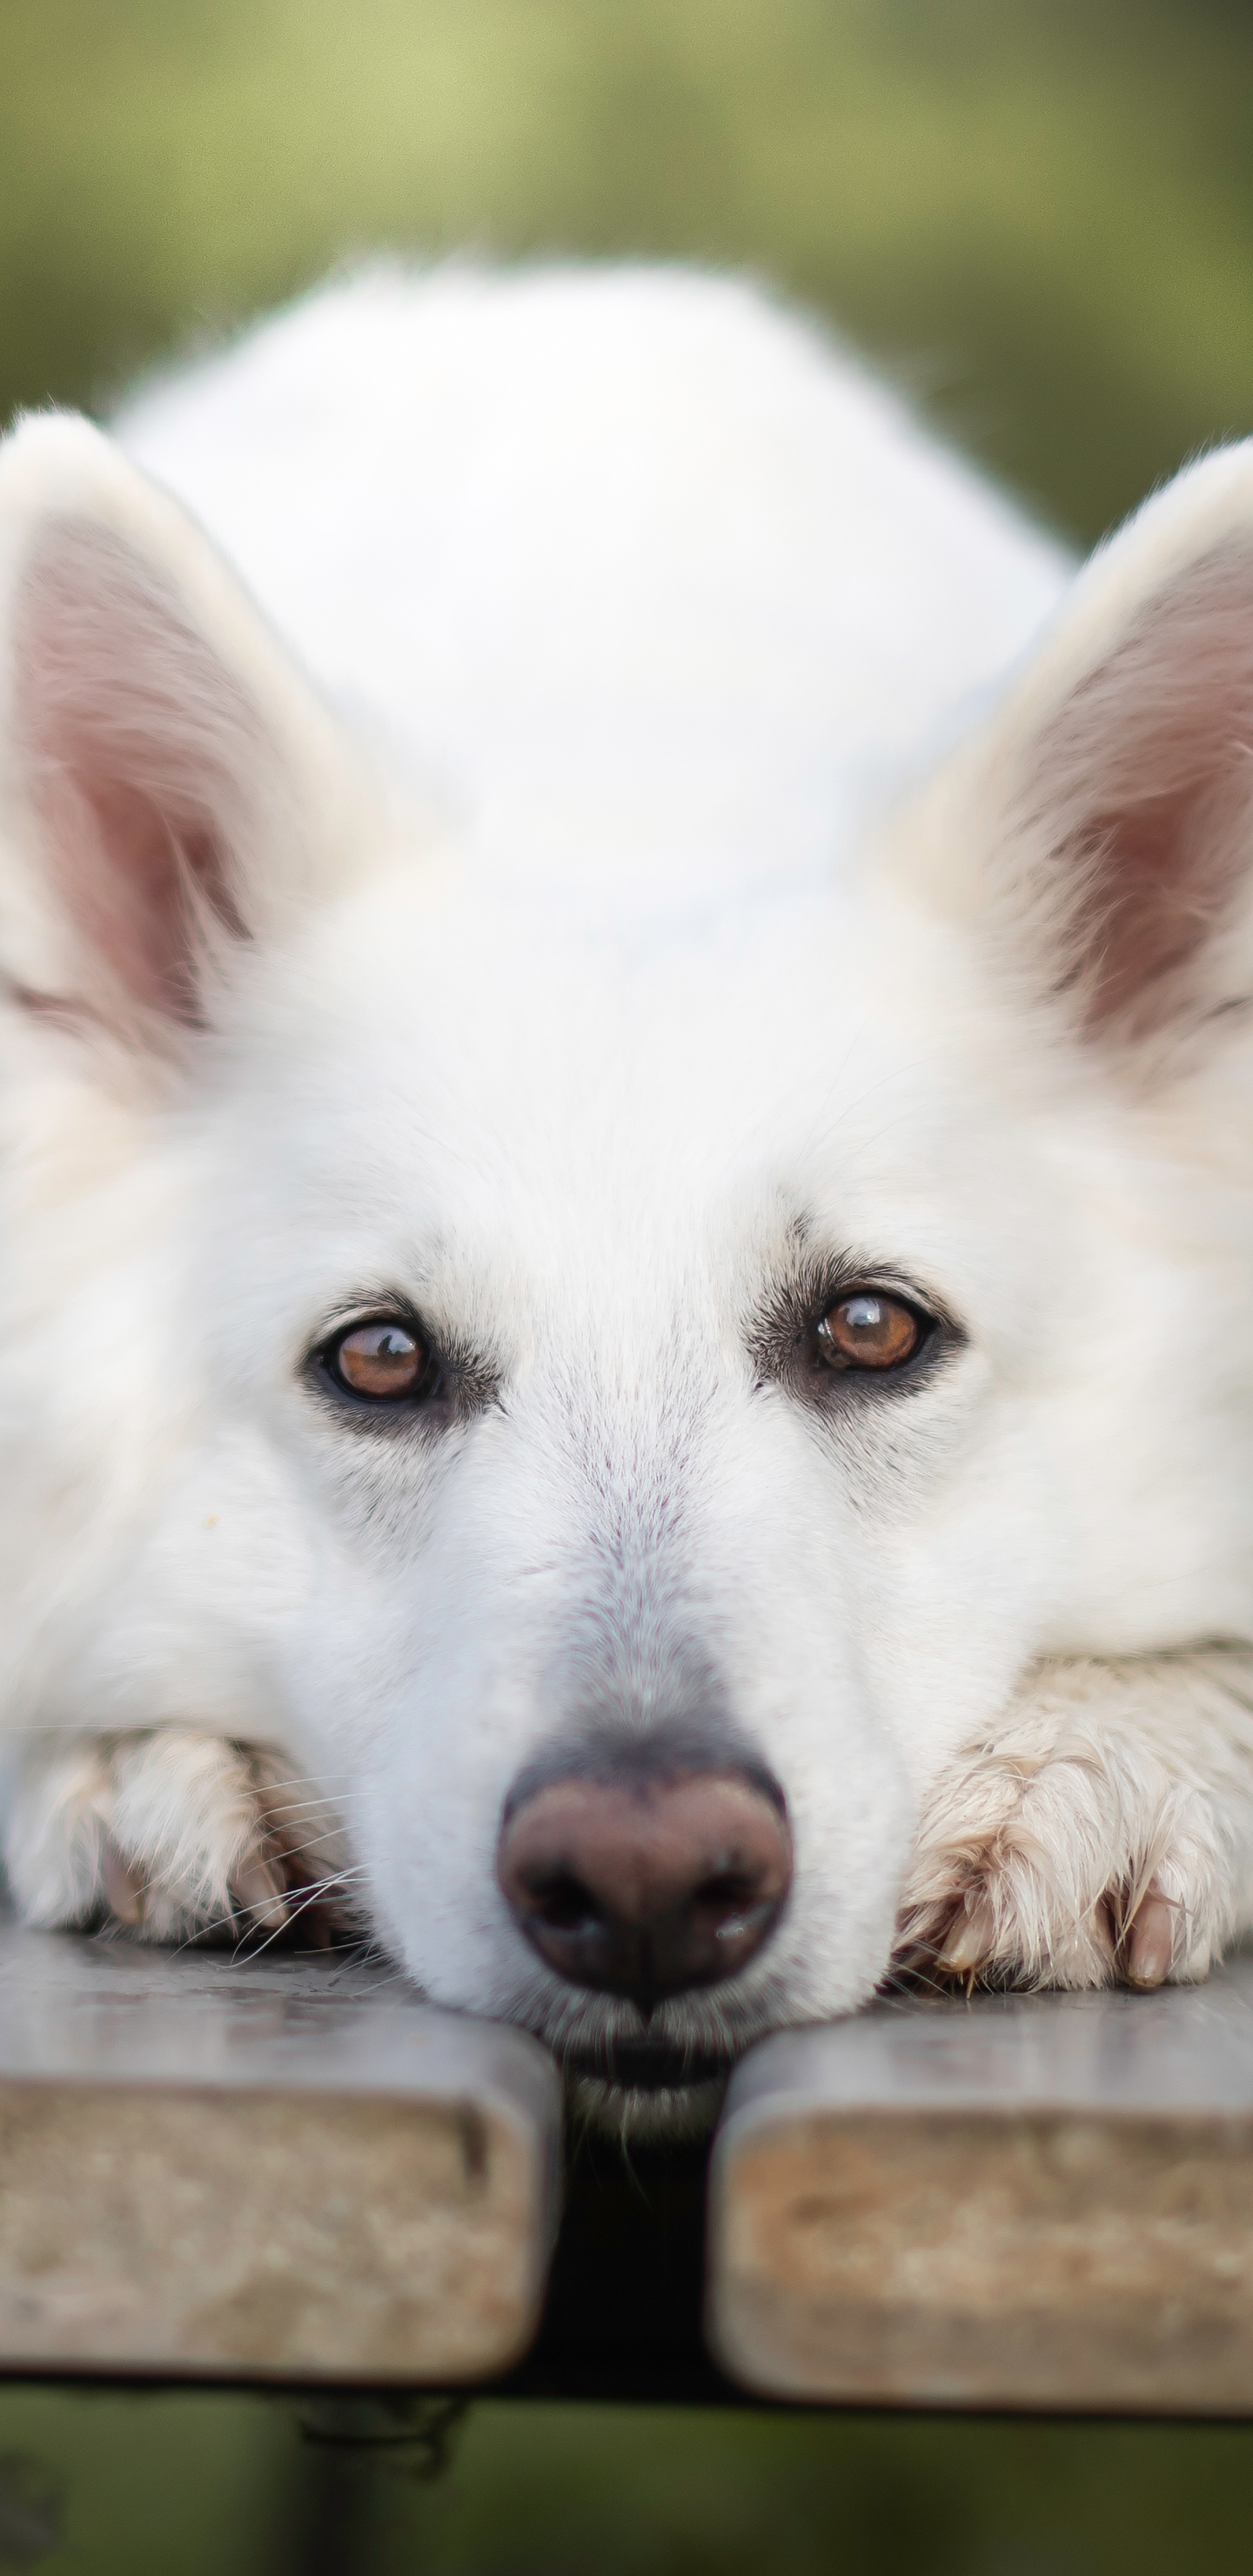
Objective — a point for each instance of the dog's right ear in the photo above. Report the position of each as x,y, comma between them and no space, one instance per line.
1100,831
169,785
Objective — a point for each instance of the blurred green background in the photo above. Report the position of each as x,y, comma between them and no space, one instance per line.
1039,215
101,2484
1038,212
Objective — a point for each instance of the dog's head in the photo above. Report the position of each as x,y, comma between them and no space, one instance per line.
620,1411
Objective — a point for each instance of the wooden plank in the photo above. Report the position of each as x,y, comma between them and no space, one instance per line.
1021,2201
263,2166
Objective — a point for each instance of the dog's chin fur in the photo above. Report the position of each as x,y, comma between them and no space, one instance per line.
648,2085
664,2115
643,1011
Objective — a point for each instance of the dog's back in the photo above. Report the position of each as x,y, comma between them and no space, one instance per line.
652,587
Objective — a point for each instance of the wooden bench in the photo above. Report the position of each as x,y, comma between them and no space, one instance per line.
1022,2201
288,2169
269,2166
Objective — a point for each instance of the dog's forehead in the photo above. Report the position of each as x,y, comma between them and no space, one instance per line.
483,1070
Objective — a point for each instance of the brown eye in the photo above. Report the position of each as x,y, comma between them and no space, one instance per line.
381,1360
868,1331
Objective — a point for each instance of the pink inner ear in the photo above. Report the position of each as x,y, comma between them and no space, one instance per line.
143,755
1149,763
1158,887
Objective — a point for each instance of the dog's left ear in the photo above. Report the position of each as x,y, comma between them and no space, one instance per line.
1102,827
171,787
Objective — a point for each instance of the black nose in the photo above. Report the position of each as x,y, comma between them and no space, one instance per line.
642,1885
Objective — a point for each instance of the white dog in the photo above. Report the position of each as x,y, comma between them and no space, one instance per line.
628,1243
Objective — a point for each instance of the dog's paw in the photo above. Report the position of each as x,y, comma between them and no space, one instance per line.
174,1835
1095,1841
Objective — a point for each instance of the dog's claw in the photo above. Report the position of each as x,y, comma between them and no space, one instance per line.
125,1891
970,1937
1149,1941
259,1891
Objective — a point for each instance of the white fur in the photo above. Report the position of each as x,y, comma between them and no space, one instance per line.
608,958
